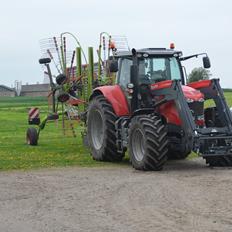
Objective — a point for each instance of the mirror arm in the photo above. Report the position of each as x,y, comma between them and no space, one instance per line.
189,57
185,75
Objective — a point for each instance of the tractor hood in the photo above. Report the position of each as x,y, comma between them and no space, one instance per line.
192,94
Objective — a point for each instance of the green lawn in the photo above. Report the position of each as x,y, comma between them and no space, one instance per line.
54,149
228,96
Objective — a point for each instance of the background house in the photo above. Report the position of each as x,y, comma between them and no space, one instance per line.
7,91
35,90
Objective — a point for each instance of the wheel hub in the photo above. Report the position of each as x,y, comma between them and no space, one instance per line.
97,134
138,147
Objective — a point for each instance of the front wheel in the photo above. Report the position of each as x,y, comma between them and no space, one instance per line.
148,144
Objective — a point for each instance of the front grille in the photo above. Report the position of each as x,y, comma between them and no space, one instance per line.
197,108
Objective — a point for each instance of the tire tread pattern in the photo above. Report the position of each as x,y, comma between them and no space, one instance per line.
110,152
155,135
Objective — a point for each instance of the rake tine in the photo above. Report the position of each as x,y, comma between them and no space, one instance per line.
57,50
52,58
65,55
71,66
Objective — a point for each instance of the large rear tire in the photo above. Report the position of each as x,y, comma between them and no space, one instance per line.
148,144
101,132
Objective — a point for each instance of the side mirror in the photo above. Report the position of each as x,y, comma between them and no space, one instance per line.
44,60
206,62
113,66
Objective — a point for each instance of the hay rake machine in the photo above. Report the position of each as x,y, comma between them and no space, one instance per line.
74,79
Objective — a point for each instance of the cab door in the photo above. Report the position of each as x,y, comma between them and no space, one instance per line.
123,76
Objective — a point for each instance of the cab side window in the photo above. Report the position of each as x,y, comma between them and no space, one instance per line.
124,74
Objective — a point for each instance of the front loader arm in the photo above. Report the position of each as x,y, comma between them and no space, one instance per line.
212,90
172,91
207,141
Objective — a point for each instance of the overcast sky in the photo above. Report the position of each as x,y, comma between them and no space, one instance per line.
193,25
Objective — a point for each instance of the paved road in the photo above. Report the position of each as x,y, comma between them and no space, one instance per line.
185,196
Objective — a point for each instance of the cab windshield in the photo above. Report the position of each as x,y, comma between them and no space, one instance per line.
153,69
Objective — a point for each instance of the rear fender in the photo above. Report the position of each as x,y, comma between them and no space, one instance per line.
114,95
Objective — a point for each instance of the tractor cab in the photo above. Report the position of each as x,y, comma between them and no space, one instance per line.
154,65
151,68
154,68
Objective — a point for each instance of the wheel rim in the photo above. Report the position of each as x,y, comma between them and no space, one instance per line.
138,144
97,134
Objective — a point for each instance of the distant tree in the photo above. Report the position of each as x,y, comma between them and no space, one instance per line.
198,74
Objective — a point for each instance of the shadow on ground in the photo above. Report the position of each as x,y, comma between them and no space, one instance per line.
196,164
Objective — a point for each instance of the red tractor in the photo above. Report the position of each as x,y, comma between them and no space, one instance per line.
153,113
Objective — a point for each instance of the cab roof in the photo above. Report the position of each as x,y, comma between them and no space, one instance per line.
150,51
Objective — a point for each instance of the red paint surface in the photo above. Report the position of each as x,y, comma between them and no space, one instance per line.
192,93
200,84
169,111
161,85
115,95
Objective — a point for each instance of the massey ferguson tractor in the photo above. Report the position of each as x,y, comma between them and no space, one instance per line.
156,115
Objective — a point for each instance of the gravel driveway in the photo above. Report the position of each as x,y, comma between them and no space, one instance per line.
185,196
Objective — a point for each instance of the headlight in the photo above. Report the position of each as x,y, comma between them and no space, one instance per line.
130,85
189,100
201,100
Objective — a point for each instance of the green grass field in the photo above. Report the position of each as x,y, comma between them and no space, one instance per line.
54,149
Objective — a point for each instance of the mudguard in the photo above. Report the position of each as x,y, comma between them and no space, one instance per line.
115,95
168,110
